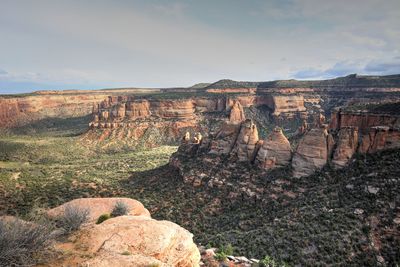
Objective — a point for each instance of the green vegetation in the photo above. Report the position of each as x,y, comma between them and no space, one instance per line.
48,171
223,252
318,226
385,108
103,217
270,262
352,81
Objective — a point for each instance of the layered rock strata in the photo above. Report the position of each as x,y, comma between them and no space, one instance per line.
275,151
311,153
316,146
346,146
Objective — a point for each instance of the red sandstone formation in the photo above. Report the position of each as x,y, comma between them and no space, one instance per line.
362,119
379,138
275,151
17,111
311,153
316,148
225,139
237,113
245,147
346,146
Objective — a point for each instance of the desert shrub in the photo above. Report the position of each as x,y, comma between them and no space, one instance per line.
223,252
220,256
103,217
270,262
72,218
120,209
20,242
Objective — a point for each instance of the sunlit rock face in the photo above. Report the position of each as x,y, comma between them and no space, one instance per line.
275,151
346,146
245,147
311,153
134,239
237,113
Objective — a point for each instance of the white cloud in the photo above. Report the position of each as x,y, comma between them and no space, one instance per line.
160,44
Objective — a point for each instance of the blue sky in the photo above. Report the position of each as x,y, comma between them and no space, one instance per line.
86,44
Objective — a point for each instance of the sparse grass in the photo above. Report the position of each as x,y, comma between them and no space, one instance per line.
73,218
103,217
21,242
120,209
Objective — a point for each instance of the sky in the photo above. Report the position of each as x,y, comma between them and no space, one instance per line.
83,44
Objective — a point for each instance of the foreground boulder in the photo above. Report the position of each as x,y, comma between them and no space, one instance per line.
127,240
137,240
99,206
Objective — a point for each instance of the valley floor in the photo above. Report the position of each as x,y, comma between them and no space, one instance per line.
346,217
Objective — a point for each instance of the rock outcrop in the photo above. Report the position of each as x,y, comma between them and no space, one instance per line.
288,104
362,119
19,111
129,240
237,113
311,153
378,126
139,240
275,151
379,138
225,139
246,142
346,146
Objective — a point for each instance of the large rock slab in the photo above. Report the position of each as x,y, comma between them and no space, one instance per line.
275,151
246,142
311,153
237,113
225,139
133,241
346,146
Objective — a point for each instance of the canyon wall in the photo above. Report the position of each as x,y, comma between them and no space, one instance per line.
238,145
17,111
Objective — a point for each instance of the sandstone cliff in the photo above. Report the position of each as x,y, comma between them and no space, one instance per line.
275,151
378,125
18,111
346,146
311,153
315,147
245,147
237,113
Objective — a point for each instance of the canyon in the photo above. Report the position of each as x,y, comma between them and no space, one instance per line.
275,169
129,113
312,148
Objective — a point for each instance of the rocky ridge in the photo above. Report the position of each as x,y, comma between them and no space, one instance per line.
316,146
